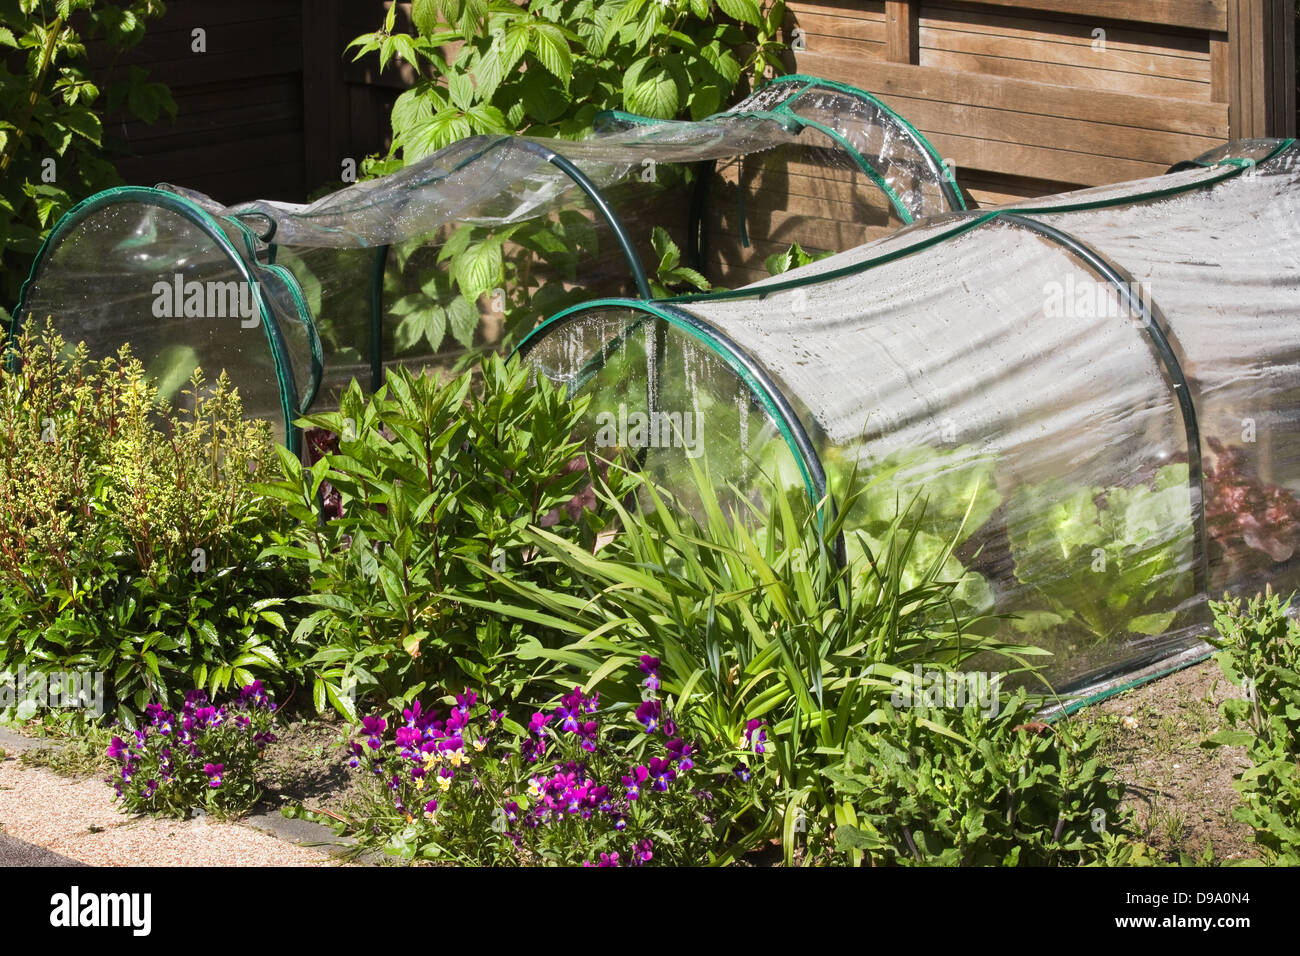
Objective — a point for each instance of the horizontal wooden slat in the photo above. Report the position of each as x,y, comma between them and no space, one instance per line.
850,27
1190,14
1009,126
993,189
858,9
1062,74
1192,66
1026,25
999,92
1082,168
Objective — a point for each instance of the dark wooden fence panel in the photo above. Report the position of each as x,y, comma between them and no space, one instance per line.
238,132
1024,97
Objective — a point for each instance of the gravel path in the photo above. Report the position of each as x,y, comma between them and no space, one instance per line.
77,819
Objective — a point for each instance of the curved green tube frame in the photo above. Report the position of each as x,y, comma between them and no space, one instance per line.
207,224
783,114
739,361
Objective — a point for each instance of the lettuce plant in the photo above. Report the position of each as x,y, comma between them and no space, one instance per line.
1252,523
1110,561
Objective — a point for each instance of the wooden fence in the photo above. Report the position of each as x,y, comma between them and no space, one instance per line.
1024,97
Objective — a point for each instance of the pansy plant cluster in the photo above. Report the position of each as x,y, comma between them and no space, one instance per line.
575,784
203,757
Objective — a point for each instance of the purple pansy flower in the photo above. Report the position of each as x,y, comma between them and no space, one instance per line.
680,751
661,772
648,715
650,667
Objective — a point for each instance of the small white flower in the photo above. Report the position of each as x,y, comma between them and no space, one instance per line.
1129,723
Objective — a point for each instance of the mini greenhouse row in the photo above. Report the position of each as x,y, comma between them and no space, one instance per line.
1094,395
1097,396
488,232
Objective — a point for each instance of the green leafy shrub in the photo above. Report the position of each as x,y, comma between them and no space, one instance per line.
960,787
130,532
52,115
202,757
546,68
437,485
1260,652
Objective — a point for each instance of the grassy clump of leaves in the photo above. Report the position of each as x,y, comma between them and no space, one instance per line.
130,532
929,786
1260,652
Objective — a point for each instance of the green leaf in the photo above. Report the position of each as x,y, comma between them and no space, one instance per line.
478,269
424,14
552,49
650,89
746,11
463,319
82,122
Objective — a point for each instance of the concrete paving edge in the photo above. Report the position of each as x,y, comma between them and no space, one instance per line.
302,832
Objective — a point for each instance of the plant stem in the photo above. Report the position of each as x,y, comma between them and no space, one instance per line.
47,58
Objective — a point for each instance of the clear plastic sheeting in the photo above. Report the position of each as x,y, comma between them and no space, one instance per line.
148,274
1093,399
504,179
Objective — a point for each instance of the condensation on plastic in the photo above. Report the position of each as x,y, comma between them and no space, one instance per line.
887,147
658,395
1224,266
99,285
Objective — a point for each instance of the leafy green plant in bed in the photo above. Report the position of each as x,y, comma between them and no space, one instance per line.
960,491
930,786
1110,561
130,531
54,113
749,628
437,484
1260,652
